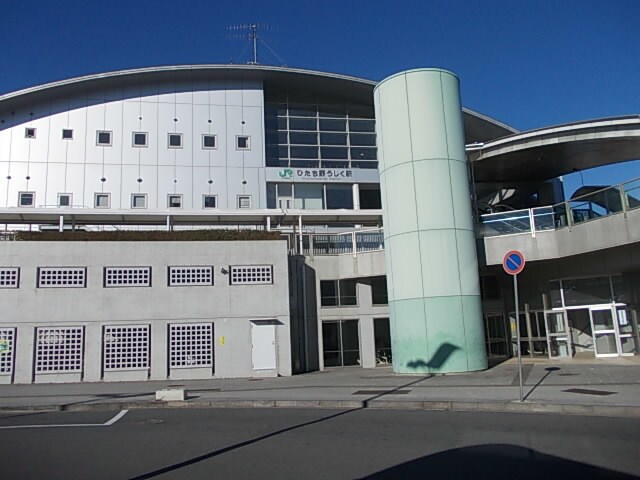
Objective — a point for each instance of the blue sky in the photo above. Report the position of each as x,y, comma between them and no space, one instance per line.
527,63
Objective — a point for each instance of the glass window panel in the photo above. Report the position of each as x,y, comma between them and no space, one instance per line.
379,291
302,124
334,164
271,137
350,358
333,138
348,292
302,110
606,344
362,140
363,153
555,294
382,333
281,123
329,111
362,125
586,291
301,138
369,165
271,195
285,190
282,138
621,292
330,336
304,152
337,153
556,322
308,196
328,293
304,163
602,319
339,196
350,337
333,125
361,111
332,359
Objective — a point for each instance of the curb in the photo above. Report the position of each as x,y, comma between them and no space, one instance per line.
448,406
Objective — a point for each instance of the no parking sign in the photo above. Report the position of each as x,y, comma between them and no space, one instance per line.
513,263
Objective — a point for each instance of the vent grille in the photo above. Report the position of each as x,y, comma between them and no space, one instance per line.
127,277
190,345
62,277
190,275
9,277
251,274
126,347
59,350
7,342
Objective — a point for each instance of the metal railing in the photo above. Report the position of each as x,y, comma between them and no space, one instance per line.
353,242
601,203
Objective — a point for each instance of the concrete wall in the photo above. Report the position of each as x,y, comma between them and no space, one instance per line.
229,307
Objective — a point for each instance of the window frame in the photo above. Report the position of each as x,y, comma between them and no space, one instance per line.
179,135
60,195
338,294
133,139
238,197
96,195
100,144
142,195
178,195
248,147
204,199
25,193
30,132
215,141
70,130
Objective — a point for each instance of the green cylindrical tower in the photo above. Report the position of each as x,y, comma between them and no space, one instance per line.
432,267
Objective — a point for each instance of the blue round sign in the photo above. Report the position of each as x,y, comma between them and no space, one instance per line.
513,262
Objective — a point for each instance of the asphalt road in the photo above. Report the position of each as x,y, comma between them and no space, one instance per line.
309,444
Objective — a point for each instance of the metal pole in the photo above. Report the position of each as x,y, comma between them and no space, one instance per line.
515,294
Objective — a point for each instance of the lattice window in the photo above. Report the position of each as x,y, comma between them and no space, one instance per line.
190,345
7,341
62,277
126,347
190,275
59,349
251,274
127,276
9,277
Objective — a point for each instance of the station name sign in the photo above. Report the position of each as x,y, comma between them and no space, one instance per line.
326,175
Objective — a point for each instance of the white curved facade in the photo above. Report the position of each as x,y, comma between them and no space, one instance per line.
34,156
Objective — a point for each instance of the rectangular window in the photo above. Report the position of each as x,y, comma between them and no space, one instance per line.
190,275
209,141
67,134
250,274
59,349
209,201
65,199
175,140
26,199
127,277
174,201
243,142
126,347
29,132
9,277
62,277
244,201
103,138
338,293
102,200
190,345
139,139
7,340
379,291
139,200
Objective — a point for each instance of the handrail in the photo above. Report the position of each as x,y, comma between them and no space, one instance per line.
589,206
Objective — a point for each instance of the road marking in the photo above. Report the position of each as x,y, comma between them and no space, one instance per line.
108,423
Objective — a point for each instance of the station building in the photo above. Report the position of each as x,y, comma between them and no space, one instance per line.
380,211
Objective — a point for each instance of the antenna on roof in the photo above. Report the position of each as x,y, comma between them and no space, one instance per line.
250,31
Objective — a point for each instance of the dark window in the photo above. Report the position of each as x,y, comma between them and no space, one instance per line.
242,142
337,153
333,138
333,125
329,293
363,153
370,196
362,140
302,124
103,138
210,201
67,134
489,287
339,196
341,343
175,140
139,139
382,335
304,152
334,293
362,126
379,291
209,141
29,133
302,138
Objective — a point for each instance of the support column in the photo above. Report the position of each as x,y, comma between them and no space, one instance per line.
430,251
356,196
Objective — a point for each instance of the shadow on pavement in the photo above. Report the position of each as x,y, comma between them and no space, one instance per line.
496,461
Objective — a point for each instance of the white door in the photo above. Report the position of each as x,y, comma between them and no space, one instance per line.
604,331
263,344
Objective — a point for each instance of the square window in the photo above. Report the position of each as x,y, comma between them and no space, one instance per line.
64,199
174,201
244,201
102,200
139,139
209,201
139,200
209,141
175,140
29,132
103,138
242,142
26,199
67,134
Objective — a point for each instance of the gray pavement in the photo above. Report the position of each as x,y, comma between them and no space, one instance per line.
591,387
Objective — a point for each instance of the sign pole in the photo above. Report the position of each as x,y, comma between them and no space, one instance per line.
515,294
